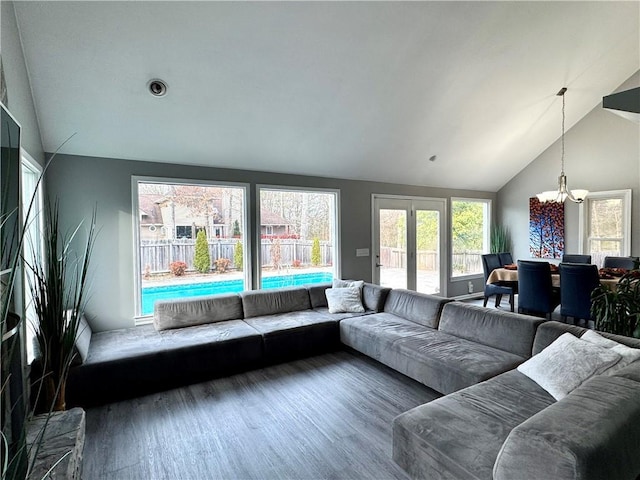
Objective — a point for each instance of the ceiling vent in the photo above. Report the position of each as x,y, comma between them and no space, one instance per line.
626,104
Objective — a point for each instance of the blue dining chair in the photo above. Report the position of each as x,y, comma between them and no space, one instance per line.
577,281
620,262
536,294
505,258
575,258
490,262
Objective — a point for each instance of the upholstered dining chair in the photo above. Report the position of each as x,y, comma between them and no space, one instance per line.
575,258
536,294
505,258
577,281
620,262
490,262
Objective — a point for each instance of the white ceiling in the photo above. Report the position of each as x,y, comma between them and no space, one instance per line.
366,90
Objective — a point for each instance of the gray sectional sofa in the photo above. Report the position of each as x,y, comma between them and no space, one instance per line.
492,422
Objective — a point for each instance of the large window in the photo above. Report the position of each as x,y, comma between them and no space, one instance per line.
190,240
298,236
605,224
470,224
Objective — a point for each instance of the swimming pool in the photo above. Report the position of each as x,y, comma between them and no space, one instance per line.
167,292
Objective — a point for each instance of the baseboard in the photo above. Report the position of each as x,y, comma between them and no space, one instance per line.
469,296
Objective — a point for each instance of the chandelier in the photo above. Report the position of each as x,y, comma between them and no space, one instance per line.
562,193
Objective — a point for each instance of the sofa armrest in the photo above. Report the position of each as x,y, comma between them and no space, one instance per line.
593,433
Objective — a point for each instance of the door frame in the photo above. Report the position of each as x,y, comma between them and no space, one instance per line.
411,261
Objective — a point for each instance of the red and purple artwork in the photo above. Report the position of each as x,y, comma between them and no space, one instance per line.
546,229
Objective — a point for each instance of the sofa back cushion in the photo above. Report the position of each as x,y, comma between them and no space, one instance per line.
416,307
549,331
269,302
83,339
317,296
187,312
506,331
374,296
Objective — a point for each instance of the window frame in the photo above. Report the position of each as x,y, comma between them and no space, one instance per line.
135,208
486,237
584,227
337,263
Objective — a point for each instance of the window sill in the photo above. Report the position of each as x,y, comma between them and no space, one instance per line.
466,278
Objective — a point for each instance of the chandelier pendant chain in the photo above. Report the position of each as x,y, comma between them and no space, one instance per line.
562,140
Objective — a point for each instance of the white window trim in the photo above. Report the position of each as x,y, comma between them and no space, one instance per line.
137,274
337,260
583,225
486,241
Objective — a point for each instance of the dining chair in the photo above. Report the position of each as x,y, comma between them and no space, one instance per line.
490,262
575,258
505,258
536,294
577,281
620,262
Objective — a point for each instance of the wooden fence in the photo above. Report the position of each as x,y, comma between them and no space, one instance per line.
155,256
428,260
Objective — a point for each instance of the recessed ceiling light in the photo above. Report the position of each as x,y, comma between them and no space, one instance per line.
157,87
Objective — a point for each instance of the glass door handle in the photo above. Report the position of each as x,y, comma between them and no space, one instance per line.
379,265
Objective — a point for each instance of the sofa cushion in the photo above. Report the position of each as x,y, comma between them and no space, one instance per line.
317,296
567,363
257,303
188,312
628,354
83,340
447,363
591,434
134,361
418,307
344,300
296,334
374,334
548,332
374,296
460,435
511,332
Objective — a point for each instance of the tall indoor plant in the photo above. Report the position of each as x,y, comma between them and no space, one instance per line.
618,310
500,239
58,284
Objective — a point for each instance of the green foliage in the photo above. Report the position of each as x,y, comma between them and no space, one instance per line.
500,239
238,256
201,258
315,252
236,229
427,230
467,226
618,311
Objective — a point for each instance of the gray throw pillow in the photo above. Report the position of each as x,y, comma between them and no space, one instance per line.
629,354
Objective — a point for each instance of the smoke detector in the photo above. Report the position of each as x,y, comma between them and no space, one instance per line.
157,87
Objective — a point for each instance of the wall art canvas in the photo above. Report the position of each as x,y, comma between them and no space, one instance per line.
546,229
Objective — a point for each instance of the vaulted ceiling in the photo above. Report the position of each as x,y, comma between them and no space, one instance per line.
366,90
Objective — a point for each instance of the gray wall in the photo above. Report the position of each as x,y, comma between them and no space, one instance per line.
602,152
81,182
20,101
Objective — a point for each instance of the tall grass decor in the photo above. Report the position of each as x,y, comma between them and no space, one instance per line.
500,239
58,287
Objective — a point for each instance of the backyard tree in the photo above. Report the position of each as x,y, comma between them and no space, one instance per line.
238,255
315,252
236,229
202,259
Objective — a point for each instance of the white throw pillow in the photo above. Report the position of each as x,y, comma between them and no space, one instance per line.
566,364
337,283
344,300
629,354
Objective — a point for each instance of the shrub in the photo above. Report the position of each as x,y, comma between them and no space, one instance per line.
222,264
178,268
315,252
201,258
236,229
296,263
276,253
238,255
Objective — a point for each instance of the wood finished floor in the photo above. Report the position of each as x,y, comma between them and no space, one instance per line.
326,417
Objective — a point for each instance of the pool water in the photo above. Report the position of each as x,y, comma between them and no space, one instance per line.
168,292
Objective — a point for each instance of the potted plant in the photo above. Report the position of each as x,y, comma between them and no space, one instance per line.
618,310
58,286
500,240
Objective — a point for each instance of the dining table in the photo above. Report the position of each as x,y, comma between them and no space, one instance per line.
510,274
